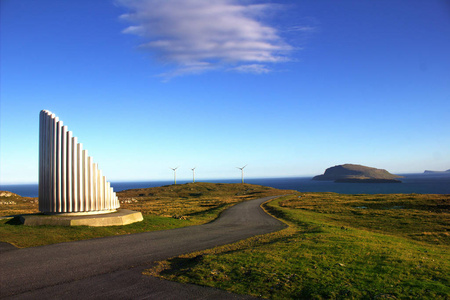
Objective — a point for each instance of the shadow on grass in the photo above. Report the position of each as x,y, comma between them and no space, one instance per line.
14,221
181,264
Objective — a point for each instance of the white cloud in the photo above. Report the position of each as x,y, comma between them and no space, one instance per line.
253,68
199,35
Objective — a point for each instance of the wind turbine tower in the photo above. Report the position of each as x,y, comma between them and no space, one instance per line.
193,174
175,175
242,173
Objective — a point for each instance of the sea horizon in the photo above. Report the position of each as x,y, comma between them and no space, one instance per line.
413,183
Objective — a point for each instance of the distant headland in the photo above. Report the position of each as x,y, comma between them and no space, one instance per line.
357,174
436,172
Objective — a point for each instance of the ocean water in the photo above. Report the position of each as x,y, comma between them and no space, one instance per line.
411,183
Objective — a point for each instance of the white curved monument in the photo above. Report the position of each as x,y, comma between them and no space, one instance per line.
69,181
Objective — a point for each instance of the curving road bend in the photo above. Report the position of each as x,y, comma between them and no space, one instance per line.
111,267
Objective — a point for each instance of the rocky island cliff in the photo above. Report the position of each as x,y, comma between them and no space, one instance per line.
357,174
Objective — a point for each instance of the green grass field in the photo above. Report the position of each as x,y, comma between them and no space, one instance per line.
337,247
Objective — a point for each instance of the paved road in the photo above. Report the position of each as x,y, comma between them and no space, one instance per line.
111,267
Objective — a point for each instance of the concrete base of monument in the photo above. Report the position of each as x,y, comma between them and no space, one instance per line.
120,217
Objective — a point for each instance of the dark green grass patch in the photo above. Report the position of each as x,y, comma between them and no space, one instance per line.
13,232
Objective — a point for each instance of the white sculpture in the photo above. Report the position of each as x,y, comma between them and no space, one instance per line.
69,181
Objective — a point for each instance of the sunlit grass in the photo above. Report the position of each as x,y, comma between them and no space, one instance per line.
419,217
16,205
192,200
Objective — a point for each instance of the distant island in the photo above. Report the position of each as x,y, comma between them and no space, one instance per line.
357,174
436,172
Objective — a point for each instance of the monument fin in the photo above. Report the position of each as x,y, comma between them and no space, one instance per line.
69,180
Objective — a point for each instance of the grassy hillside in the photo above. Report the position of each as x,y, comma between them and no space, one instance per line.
193,200
164,207
337,247
13,204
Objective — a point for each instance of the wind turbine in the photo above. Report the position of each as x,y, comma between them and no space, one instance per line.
175,174
242,173
193,174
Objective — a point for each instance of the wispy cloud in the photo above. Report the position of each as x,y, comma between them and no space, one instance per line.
253,68
201,35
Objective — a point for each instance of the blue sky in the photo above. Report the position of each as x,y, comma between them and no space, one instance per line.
288,87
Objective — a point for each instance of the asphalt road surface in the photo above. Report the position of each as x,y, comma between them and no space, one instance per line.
111,268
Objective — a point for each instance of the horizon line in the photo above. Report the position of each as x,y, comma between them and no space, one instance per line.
190,179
